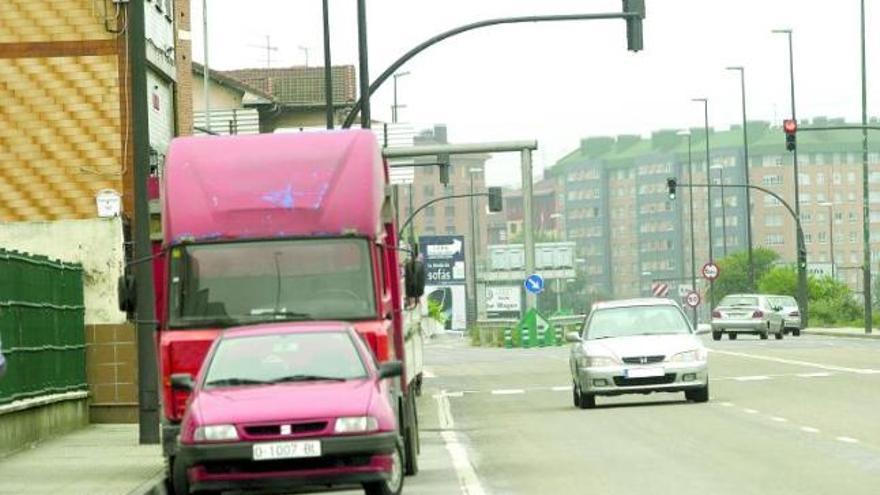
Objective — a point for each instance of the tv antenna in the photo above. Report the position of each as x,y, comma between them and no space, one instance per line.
269,49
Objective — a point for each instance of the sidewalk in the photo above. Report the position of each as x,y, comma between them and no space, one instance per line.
97,460
843,332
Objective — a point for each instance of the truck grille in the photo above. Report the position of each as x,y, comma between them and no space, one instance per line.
644,359
622,381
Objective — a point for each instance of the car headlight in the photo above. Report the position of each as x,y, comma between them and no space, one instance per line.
215,433
689,356
597,361
356,424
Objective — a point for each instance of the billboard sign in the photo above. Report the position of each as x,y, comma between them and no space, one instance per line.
502,301
445,276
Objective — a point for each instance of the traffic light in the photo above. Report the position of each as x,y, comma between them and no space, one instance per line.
802,258
790,128
670,185
634,40
443,164
496,202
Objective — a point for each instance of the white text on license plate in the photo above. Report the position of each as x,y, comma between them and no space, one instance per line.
286,450
644,372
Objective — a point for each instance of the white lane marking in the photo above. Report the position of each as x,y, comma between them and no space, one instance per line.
847,440
727,404
467,477
779,419
795,362
751,411
751,378
513,391
565,388
809,429
868,372
814,375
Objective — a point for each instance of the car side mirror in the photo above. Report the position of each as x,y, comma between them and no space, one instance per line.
573,337
390,369
182,381
704,328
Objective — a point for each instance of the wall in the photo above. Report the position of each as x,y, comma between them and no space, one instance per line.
222,97
96,243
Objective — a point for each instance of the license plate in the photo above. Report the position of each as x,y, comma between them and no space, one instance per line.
286,450
644,372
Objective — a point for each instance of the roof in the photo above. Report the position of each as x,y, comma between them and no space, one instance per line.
231,82
626,303
323,183
287,327
300,86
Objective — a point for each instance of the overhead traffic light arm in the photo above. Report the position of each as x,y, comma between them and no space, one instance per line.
493,193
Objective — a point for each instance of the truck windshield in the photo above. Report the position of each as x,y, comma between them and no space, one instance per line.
236,283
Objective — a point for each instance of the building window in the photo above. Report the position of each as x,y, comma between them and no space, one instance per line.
852,237
804,179
770,201
820,179
773,220
428,190
450,211
819,159
450,229
823,237
851,197
808,238
836,178
429,211
851,177
838,217
804,198
820,197
852,217
774,240
772,180
806,218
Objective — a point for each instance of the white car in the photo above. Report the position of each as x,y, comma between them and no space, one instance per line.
747,313
637,346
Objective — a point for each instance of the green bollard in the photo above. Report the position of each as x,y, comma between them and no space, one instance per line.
508,338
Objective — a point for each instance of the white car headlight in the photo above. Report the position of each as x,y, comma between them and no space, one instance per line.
689,356
356,424
215,433
597,361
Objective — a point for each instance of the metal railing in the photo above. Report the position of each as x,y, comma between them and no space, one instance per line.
42,326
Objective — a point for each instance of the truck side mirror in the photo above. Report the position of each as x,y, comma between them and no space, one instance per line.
390,369
415,279
127,293
182,381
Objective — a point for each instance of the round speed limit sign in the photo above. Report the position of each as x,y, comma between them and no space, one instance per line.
711,271
692,299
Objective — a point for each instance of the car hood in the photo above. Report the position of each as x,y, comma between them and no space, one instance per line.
283,402
643,345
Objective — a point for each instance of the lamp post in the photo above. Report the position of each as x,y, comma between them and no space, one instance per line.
830,207
472,213
705,102
206,83
742,77
866,232
691,208
801,248
395,106
720,169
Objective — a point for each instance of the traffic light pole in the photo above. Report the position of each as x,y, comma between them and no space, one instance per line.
802,253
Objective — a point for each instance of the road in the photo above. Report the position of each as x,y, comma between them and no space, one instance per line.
799,416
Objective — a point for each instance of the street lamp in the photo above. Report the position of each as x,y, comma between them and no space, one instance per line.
691,208
472,298
830,207
742,77
801,248
395,106
705,102
720,169
866,232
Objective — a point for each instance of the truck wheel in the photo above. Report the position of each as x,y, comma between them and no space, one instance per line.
731,336
411,440
394,484
796,332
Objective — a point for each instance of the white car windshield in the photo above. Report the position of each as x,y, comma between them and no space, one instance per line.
636,320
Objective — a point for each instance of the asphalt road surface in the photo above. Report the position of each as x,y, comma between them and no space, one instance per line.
799,416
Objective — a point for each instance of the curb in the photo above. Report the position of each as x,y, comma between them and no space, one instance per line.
153,486
828,333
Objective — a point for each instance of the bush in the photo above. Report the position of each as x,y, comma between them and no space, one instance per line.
830,302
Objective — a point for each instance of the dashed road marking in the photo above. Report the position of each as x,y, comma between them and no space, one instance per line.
566,388
809,429
779,419
513,391
751,411
847,440
751,378
814,375
796,362
726,404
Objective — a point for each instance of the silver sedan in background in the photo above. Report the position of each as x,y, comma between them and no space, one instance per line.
791,313
637,346
747,313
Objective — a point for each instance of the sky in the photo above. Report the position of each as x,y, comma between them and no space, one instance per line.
562,81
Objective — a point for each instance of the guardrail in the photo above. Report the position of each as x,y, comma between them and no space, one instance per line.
564,321
42,326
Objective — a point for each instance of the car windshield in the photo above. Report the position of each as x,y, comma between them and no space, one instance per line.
732,301
784,301
235,283
284,358
636,320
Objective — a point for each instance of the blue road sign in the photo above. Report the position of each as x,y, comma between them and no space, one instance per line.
534,284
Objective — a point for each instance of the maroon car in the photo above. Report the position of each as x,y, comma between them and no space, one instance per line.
289,407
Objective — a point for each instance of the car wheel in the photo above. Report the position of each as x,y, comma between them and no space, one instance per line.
586,401
697,394
731,336
716,335
575,395
796,332
394,484
780,334
766,333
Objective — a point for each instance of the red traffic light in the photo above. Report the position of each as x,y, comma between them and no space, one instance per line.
789,126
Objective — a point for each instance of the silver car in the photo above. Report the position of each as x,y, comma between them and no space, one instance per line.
791,313
746,313
637,346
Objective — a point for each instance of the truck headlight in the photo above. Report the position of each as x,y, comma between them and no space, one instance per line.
215,433
356,424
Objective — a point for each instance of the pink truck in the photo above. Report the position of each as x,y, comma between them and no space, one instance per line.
283,228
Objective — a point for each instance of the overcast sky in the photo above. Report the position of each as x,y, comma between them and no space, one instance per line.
559,82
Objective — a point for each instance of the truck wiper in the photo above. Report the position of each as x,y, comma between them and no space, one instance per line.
231,382
307,378
274,315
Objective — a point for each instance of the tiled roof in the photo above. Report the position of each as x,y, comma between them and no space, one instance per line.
226,80
300,86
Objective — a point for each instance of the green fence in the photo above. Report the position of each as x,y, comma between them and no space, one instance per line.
42,326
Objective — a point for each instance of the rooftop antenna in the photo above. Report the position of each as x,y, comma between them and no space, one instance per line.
269,49
306,50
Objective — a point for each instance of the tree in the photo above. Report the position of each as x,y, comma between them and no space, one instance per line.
734,276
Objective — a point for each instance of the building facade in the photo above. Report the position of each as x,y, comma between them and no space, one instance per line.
629,234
